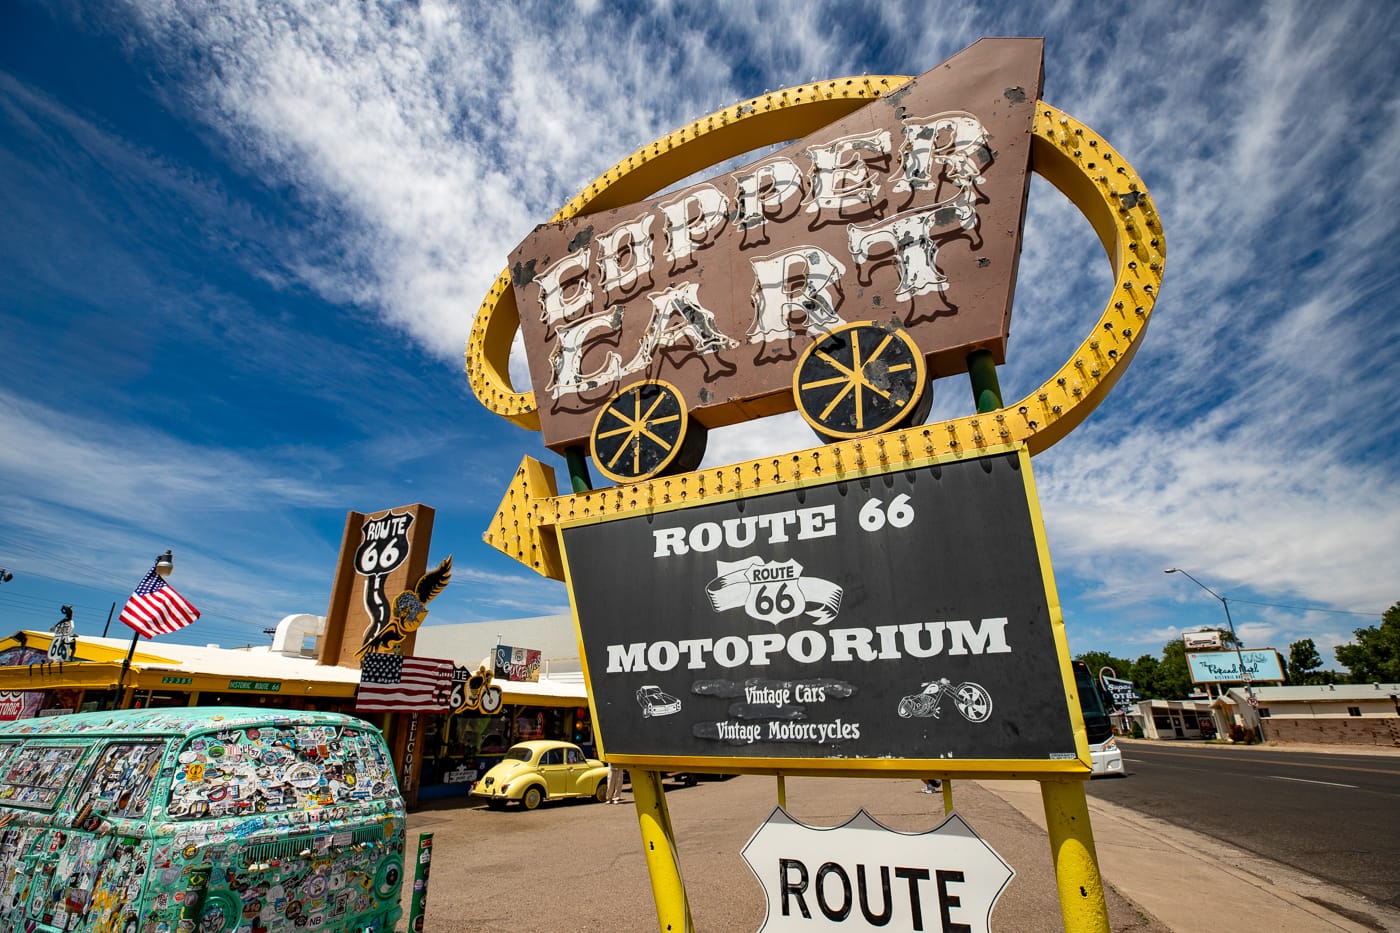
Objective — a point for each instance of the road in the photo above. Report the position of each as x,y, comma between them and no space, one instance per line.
1336,817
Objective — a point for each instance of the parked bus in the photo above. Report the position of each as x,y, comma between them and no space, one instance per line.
1094,703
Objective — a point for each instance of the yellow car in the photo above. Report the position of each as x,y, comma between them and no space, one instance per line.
533,772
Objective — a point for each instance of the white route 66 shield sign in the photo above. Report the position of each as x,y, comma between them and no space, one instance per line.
772,591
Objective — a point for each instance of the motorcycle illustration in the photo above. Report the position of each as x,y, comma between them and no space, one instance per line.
972,700
474,691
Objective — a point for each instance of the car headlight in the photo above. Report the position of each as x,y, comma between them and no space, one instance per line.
505,788
1110,746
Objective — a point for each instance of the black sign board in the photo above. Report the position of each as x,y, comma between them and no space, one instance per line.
902,617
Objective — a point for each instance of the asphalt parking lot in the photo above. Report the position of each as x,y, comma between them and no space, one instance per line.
579,865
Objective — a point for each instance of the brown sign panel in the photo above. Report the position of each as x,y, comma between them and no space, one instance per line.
907,211
383,555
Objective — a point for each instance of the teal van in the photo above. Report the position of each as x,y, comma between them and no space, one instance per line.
214,819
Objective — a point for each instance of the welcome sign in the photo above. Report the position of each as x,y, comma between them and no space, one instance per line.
903,616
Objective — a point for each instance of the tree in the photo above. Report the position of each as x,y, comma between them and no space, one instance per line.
1174,676
1303,662
1144,673
1098,660
1375,657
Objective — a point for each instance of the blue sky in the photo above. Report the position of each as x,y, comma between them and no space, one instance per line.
243,244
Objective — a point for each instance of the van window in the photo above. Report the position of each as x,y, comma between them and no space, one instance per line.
273,769
121,780
35,775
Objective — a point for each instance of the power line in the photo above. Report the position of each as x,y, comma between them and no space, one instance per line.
1350,612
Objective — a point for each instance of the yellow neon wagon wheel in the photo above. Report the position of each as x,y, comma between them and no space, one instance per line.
861,379
645,431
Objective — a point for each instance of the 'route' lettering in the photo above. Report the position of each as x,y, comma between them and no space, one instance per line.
947,902
886,897
807,523
836,897
796,887
844,910
914,875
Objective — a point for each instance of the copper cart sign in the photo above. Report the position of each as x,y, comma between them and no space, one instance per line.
909,211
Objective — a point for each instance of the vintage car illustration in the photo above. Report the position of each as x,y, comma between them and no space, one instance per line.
655,702
198,818
540,770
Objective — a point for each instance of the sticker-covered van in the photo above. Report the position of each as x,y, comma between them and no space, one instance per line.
212,819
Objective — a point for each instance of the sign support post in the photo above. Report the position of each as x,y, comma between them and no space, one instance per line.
1082,904
659,845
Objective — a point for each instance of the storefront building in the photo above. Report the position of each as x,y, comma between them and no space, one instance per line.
456,748
459,748
98,675
1175,719
1329,714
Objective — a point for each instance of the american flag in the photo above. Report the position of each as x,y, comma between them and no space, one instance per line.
156,609
392,683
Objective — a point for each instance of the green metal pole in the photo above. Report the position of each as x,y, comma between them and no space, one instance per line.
577,459
419,904
982,371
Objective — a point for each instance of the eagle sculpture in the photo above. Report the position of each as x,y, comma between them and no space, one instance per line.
407,610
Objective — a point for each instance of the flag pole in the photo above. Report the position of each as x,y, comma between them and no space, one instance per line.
162,567
126,666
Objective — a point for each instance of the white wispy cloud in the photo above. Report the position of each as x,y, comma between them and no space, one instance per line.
1253,436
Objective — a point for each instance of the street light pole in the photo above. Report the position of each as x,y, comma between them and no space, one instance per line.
1244,674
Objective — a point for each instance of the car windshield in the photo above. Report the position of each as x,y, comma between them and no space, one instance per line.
518,753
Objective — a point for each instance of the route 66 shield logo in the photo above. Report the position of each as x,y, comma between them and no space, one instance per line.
772,591
774,595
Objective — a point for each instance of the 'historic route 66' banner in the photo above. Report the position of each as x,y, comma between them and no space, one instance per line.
905,617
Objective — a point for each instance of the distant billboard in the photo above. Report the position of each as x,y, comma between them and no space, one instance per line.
1196,640
1222,667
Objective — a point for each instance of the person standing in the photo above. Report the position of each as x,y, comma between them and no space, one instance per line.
614,783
